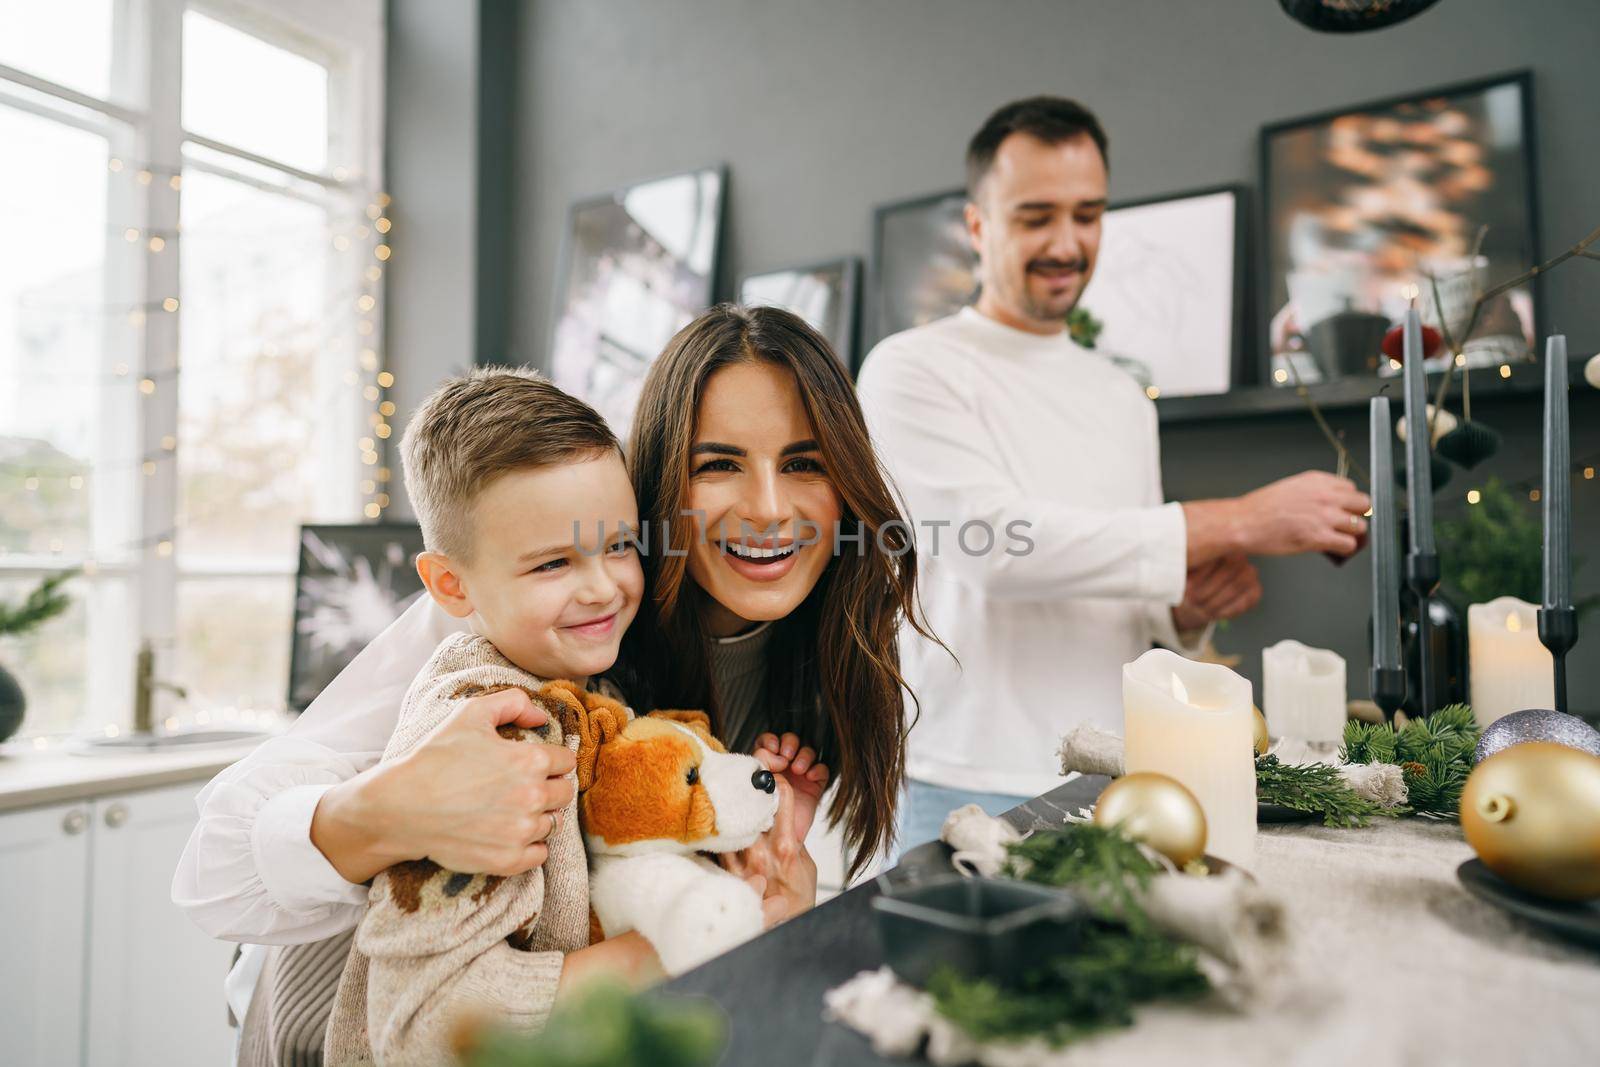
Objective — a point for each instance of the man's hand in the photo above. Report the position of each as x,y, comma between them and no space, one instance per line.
466,798
1222,589
1312,511
797,764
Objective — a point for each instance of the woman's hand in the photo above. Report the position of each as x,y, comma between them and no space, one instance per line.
797,764
466,798
778,866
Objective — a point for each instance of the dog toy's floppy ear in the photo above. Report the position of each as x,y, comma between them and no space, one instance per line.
594,718
697,721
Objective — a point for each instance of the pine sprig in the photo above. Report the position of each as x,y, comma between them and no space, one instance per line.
1368,742
1317,788
45,602
1095,988
1120,961
1105,866
1434,754
1449,733
1434,785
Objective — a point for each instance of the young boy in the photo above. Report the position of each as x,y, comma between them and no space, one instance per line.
512,481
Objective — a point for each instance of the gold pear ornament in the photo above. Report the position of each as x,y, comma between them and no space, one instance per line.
1157,810
1532,814
1263,741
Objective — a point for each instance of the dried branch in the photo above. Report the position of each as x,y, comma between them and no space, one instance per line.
1457,352
1345,458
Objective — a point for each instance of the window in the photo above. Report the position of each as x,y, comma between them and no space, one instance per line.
190,334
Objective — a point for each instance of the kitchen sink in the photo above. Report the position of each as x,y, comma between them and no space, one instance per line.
188,739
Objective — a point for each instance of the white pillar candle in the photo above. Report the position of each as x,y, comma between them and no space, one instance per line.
1303,692
1192,721
1510,668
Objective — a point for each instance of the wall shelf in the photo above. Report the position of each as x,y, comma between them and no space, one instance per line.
1260,401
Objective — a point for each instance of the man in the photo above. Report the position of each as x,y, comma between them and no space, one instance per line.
994,417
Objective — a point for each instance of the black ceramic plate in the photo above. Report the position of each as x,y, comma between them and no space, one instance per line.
1572,920
1270,813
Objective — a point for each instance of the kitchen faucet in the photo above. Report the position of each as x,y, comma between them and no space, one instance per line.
144,687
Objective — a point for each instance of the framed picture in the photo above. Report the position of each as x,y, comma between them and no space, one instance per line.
824,294
1169,293
1370,205
636,266
352,582
1168,288
923,265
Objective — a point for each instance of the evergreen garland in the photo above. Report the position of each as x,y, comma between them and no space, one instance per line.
45,602
1122,959
1316,788
1434,754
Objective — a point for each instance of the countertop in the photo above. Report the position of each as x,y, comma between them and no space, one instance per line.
30,777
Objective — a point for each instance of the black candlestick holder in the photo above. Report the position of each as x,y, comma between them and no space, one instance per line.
1388,689
1422,576
1558,629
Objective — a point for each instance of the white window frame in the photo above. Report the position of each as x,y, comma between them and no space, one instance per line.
141,120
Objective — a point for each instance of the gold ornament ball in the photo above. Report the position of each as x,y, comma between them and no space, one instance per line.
1532,814
1263,741
1157,810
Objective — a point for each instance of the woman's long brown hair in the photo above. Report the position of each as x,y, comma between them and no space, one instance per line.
834,670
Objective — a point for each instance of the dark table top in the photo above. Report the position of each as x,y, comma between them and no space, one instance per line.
771,988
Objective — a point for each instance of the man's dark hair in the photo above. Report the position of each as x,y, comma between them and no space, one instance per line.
1051,119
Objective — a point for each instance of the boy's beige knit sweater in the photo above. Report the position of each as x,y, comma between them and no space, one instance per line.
438,949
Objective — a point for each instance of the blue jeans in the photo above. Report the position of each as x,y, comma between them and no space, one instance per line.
926,806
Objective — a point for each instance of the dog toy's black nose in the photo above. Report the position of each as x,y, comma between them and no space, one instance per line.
764,781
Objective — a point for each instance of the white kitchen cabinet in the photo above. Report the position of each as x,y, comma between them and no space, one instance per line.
44,892
154,981
99,967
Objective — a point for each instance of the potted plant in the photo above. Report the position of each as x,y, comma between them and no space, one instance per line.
45,602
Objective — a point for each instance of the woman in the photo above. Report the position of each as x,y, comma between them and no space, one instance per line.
771,453
748,444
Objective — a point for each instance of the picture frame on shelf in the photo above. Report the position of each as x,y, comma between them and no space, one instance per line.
1169,288
923,265
1363,202
351,581
636,265
826,294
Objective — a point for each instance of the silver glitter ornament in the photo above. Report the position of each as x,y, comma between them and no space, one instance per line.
1537,724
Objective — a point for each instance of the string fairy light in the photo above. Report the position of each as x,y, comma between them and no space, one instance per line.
372,380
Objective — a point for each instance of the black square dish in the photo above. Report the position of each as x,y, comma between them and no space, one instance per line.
982,927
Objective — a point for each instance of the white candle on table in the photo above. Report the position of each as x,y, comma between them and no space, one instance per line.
1192,722
1510,668
1303,692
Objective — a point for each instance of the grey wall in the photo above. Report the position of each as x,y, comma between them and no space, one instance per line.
824,108
430,299
451,169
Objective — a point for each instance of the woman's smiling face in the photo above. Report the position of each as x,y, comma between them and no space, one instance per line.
765,507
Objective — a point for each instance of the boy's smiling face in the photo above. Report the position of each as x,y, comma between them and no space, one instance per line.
541,584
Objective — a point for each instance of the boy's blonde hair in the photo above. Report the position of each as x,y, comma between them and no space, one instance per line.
475,428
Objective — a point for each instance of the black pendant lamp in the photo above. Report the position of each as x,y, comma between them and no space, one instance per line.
1352,16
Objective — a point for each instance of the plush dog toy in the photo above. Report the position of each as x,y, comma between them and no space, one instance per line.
654,792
